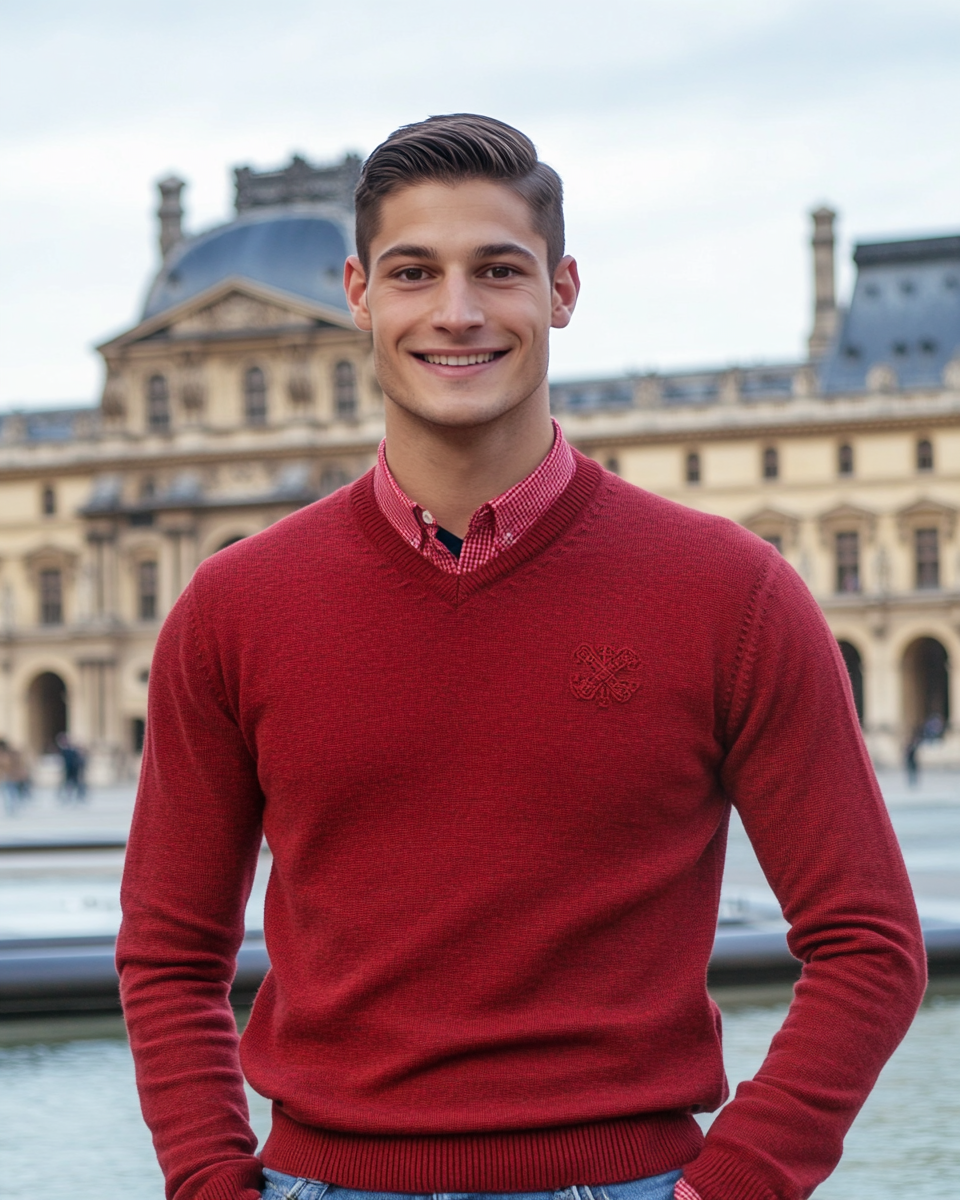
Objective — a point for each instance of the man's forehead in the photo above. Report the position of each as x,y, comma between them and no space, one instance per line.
471,215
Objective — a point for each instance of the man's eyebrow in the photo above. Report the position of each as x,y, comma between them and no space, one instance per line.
408,251
504,250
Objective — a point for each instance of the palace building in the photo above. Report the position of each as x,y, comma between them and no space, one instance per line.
245,392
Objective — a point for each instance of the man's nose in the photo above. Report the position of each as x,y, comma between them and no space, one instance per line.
458,306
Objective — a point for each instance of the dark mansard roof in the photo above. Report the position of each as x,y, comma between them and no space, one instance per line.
905,314
295,248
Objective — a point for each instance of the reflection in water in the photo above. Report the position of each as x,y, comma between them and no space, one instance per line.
69,1116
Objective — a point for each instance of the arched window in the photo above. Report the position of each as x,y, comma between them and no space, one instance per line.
924,455
51,596
147,590
693,467
854,664
845,460
48,501
345,389
771,463
158,403
255,397
926,688
47,712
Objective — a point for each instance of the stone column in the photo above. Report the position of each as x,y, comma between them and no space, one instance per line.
170,213
824,283
97,723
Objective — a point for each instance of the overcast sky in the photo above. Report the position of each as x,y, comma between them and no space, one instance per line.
693,137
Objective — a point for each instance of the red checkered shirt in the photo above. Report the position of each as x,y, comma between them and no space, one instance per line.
495,526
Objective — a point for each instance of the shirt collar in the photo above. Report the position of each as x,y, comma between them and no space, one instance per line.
511,513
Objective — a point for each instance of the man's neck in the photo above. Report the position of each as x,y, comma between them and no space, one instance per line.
451,472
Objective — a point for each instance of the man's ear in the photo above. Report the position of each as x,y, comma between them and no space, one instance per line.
566,288
355,286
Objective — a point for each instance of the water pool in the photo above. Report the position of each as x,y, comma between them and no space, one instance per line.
69,1120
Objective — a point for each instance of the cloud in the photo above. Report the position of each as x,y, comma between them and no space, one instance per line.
693,137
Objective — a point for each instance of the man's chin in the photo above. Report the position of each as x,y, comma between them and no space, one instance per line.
457,412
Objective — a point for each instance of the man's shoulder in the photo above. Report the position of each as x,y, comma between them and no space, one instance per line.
676,534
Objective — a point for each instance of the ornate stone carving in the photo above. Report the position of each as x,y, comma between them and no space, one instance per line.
951,374
647,391
298,183
114,402
730,385
804,382
191,383
881,378
238,312
299,380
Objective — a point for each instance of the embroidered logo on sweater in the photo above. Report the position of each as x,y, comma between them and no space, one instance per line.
602,678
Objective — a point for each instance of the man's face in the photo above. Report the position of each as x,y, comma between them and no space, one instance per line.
460,301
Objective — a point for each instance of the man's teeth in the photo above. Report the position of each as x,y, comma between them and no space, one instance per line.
459,360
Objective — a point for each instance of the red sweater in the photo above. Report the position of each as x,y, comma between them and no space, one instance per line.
497,804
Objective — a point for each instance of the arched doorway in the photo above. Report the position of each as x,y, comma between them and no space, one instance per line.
854,664
926,687
47,708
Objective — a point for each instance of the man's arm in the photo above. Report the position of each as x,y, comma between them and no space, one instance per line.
189,868
799,774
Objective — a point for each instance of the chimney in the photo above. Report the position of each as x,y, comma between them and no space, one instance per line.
824,290
170,213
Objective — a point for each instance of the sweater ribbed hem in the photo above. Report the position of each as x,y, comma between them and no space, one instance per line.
523,1161
720,1175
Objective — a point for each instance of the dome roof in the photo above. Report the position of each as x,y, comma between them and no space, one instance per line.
298,249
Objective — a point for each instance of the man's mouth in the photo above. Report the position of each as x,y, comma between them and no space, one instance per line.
461,360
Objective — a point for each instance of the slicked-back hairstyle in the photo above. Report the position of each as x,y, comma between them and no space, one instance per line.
452,149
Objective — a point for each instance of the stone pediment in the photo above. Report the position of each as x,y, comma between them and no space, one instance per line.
771,522
238,312
847,518
230,309
926,513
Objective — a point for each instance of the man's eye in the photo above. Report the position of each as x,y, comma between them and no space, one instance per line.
412,274
501,272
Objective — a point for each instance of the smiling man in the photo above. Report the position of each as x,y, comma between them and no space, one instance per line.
490,707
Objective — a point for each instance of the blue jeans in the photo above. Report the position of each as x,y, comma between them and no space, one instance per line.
655,1187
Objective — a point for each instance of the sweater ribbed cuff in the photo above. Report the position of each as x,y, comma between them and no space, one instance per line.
229,1181
683,1191
718,1174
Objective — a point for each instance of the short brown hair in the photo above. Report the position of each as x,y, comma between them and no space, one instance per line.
452,149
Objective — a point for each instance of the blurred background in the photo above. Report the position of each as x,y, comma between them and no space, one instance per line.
764,200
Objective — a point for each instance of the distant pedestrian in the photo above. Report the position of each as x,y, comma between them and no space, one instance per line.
74,785
14,778
910,759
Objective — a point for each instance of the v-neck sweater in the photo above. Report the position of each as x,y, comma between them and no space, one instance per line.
497,804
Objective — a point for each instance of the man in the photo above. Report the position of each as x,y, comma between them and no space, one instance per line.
490,706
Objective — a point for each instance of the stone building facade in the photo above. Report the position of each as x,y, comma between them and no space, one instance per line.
245,392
